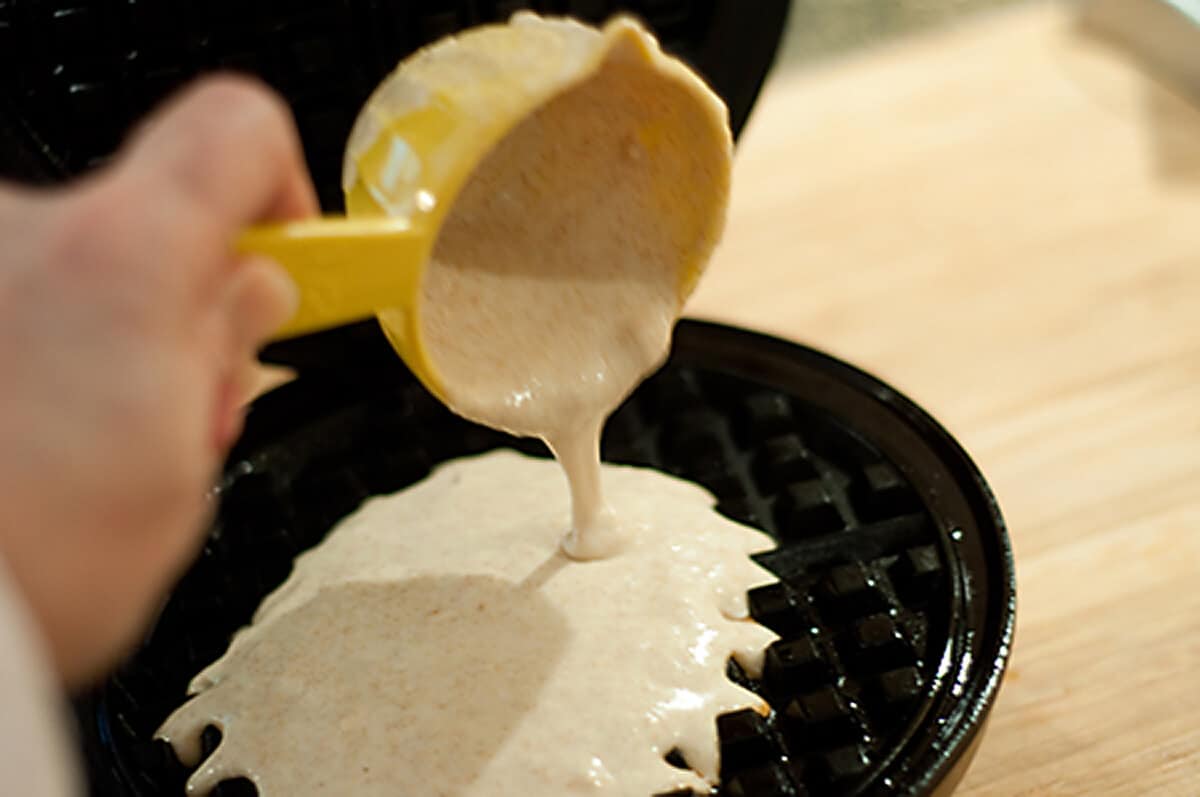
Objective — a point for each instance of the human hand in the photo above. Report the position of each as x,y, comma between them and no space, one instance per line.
127,332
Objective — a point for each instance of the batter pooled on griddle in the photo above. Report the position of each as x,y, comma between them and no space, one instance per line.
439,642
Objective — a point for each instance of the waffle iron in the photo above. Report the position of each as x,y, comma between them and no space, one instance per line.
895,596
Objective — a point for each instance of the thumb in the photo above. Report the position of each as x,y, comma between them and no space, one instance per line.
262,297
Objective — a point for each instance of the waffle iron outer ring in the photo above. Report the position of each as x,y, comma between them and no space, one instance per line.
925,521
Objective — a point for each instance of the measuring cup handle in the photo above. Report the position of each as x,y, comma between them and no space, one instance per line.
346,269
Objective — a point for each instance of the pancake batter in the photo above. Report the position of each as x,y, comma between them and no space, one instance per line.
438,641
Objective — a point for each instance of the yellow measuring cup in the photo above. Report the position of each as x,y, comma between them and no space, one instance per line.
424,131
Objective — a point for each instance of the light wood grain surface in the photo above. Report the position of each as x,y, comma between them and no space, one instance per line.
1003,220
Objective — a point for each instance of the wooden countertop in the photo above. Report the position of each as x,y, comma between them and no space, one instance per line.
1003,220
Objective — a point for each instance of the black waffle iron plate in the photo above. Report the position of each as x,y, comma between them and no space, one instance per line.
895,598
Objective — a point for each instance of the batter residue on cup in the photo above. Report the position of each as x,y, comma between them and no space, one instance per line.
565,261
